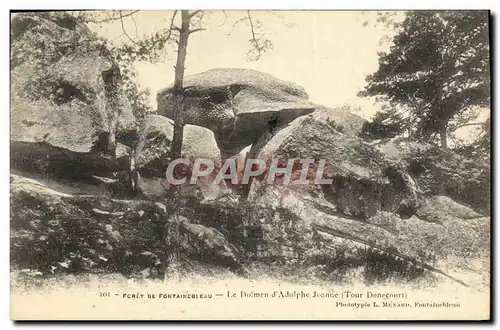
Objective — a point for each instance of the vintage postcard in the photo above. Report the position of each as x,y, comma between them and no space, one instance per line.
250,165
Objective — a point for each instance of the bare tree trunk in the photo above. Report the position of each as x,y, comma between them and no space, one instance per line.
175,152
442,134
176,149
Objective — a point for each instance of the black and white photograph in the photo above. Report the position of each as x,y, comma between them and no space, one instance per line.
250,165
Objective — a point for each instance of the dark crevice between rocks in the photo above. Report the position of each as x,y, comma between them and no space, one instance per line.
343,191
406,207
274,125
65,92
111,76
52,163
102,144
405,211
128,138
235,89
329,195
64,20
416,168
396,178
157,168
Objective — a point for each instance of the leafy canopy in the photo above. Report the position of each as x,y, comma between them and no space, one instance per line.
437,67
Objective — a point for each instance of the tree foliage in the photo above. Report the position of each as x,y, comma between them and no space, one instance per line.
437,67
385,124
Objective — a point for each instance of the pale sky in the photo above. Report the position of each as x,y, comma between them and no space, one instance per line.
329,53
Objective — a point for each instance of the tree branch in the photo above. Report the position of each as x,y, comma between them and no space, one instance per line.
468,124
123,29
196,30
225,18
129,14
258,44
112,18
251,25
135,25
169,29
236,23
194,13
287,24
171,24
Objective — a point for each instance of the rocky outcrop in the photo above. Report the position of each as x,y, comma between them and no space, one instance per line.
373,216
328,244
238,105
443,172
54,231
67,112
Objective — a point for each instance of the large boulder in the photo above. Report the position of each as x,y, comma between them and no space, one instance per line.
363,181
340,118
238,105
67,110
152,153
